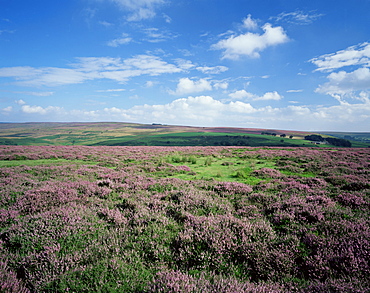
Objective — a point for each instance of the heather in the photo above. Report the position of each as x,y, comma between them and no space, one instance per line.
184,219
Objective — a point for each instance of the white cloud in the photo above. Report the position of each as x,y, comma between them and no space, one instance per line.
352,56
270,96
111,90
20,102
6,31
167,18
139,9
149,83
155,35
151,65
212,70
105,23
188,86
7,109
345,82
193,110
294,91
40,110
344,85
298,17
207,111
251,44
37,94
184,64
50,76
243,94
249,23
90,68
120,41
221,85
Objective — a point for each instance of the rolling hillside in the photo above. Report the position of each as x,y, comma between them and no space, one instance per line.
131,134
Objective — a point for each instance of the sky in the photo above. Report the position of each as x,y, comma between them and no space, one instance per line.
270,64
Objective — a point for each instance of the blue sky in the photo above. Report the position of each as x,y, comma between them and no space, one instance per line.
277,64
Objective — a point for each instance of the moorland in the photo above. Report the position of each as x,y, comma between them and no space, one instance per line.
184,219
131,134
119,207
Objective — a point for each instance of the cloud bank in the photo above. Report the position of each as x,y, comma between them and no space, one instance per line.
207,111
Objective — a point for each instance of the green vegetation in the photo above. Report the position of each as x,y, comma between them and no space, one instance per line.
53,162
184,219
205,139
128,134
231,169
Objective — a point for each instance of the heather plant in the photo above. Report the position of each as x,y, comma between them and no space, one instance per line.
128,219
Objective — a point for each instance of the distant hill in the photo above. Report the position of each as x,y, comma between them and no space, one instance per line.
120,133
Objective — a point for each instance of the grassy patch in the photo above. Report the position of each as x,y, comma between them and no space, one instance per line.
219,168
52,162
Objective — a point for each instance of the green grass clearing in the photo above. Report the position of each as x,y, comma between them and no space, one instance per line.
44,162
233,169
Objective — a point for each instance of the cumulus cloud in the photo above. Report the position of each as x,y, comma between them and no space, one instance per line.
7,109
221,85
207,111
352,56
188,86
270,96
40,110
90,68
149,83
190,110
139,9
243,94
251,44
249,23
342,85
20,102
343,82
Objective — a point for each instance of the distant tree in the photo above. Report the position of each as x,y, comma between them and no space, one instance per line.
290,136
314,137
283,135
339,142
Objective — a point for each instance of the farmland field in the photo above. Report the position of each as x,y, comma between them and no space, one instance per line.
131,134
184,219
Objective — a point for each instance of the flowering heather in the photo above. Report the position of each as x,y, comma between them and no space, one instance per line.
120,219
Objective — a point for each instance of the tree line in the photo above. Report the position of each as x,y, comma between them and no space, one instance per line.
330,140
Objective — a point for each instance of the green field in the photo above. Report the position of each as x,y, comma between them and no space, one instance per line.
129,134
